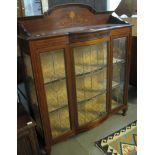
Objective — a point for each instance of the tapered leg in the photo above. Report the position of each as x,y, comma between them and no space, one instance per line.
124,112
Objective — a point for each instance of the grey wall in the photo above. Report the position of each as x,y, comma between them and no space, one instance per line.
99,5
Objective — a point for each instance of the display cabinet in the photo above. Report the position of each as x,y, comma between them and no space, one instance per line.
76,69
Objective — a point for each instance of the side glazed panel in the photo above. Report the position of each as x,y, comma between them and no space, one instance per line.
119,52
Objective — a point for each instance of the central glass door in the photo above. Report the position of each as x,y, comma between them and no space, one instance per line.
91,81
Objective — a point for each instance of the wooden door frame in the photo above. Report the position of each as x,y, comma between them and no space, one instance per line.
35,55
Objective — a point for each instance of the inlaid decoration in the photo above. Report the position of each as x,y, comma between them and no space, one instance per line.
72,15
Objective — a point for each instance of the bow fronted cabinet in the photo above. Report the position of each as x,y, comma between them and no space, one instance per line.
76,64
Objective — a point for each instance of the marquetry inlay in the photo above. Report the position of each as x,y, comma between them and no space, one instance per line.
72,15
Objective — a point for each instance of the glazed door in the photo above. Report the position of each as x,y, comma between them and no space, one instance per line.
54,77
91,81
119,61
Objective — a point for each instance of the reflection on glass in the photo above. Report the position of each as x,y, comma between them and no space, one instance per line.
91,81
119,49
53,69
53,66
56,95
90,58
59,121
119,54
32,7
91,85
112,4
31,89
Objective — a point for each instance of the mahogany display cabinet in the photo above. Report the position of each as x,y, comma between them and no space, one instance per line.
76,65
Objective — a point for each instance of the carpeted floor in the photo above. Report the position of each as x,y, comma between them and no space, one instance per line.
121,142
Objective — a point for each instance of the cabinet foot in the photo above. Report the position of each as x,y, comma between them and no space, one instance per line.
124,112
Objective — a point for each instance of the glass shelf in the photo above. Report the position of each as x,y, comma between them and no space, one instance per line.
82,69
55,78
53,66
53,107
60,122
91,96
56,95
57,109
116,61
115,84
90,71
64,104
90,110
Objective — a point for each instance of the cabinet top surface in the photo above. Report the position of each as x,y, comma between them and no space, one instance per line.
74,30
65,20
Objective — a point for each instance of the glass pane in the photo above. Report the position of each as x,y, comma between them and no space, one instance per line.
31,89
119,61
91,75
53,69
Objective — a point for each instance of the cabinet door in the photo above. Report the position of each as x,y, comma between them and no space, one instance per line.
118,71
54,76
91,81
